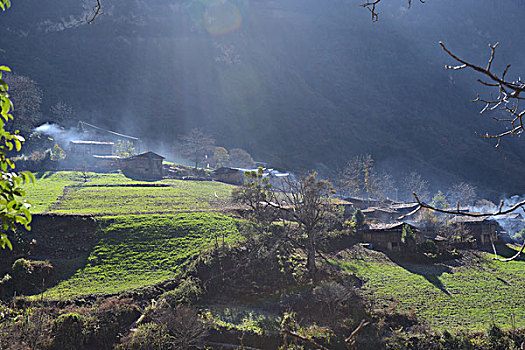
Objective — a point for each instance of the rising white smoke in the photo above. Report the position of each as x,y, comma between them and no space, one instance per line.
61,135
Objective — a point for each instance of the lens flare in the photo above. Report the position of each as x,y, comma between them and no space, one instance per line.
222,17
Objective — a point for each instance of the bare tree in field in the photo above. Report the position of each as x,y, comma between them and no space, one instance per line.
312,209
26,97
196,145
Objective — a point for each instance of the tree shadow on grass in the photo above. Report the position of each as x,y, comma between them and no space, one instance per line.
429,271
506,251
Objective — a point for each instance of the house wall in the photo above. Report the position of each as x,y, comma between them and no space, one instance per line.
234,178
143,166
387,240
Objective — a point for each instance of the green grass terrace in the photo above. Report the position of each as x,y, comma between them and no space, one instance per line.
70,192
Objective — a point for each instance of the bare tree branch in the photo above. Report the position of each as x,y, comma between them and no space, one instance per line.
457,211
97,10
508,97
371,6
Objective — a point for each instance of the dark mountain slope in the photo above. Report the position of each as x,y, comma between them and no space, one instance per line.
298,83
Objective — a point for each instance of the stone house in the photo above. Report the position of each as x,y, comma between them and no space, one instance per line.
144,166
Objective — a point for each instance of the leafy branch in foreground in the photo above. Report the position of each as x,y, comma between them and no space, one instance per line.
14,209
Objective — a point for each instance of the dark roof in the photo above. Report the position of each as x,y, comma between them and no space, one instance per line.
339,201
144,155
228,170
376,209
398,206
470,219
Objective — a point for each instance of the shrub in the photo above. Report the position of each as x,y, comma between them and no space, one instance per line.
21,268
149,336
112,317
497,338
429,247
29,274
68,331
332,296
185,326
188,292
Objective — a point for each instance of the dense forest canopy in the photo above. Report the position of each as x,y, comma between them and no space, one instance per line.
299,84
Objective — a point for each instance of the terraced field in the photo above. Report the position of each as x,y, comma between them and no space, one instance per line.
135,251
114,194
472,294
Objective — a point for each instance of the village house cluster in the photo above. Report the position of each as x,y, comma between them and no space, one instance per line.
384,229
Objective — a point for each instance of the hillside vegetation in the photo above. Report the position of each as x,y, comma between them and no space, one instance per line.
298,84
133,251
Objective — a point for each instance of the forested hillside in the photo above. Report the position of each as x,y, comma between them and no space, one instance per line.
299,84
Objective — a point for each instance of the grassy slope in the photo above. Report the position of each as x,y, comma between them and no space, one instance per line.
134,251
46,195
471,295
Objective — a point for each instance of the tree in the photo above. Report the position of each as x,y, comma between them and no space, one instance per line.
387,186
125,149
509,95
358,177
196,145
26,97
440,200
240,158
220,156
359,219
463,193
408,238
61,112
312,209
414,183
57,153
257,193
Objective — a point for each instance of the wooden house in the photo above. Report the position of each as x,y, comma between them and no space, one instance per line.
80,148
483,229
388,236
145,166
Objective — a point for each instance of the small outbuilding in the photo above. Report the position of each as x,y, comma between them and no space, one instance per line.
234,176
143,166
388,236
237,176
